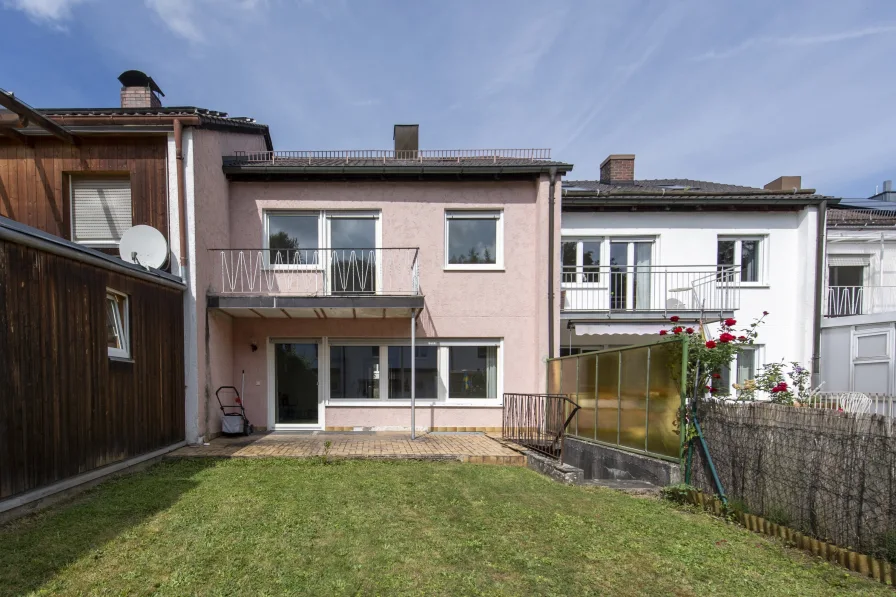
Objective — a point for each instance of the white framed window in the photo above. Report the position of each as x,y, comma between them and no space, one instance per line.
293,239
745,255
100,209
872,360
474,240
118,324
581,260
744,366
375,372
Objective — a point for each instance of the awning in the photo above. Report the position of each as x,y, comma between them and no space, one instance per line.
849,260
601,329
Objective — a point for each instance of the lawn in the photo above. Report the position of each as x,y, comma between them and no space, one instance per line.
284,527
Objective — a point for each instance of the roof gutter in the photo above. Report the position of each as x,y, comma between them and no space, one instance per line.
714,199
381,170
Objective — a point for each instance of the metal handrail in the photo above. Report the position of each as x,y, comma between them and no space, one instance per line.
537,421
390,154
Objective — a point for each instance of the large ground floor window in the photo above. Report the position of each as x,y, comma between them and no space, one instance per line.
445,370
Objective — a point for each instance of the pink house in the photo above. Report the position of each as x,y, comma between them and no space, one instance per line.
350,285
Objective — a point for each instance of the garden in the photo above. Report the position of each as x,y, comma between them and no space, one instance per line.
286,526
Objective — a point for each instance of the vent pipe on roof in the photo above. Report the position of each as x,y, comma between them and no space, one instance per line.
888,186
407,140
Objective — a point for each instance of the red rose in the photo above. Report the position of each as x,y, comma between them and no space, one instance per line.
690,330
713,390
783,386
710,344
716,376
725,338
775,390
663,332
674,318
709,387
677,330
730,322
742,338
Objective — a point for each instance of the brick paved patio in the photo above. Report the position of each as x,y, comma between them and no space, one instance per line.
465,447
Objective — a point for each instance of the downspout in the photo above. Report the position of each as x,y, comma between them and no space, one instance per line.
551,263
819,292
181,191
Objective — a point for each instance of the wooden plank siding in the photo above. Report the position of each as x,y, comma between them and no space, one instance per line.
65,407
34,180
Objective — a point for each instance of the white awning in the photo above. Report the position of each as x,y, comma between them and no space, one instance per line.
602,329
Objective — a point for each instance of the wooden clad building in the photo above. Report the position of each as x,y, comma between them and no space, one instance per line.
91,360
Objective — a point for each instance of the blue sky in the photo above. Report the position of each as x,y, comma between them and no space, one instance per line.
738,92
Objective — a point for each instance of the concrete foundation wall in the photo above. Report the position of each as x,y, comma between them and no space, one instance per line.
603,462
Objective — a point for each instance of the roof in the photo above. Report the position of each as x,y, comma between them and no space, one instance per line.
656,185
209,118
23,234
679,192
861,218
385,163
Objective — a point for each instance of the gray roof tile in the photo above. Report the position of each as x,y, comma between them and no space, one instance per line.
670,184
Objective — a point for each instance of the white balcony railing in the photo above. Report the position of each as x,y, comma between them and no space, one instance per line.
654,288
842,301
317,272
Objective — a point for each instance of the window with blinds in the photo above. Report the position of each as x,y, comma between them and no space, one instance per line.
101,209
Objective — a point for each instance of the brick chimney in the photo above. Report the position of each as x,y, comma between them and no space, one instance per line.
784,183
139,90
618,168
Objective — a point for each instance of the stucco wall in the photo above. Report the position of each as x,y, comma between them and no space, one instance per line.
509,304
691,239
209,188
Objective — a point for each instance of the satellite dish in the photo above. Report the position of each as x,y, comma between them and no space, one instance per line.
143,245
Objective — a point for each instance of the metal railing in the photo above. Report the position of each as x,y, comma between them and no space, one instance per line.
842,301
650,288
385,155
537,421
318,272
854,402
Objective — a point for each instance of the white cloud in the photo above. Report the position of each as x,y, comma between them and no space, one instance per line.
798,41
187,18
53,11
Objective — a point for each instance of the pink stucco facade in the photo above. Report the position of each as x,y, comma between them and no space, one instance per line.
508,305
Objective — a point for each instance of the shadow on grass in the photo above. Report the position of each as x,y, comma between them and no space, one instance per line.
35,548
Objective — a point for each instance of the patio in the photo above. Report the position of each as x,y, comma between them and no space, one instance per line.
462,447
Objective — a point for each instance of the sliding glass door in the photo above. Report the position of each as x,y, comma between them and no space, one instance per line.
296,394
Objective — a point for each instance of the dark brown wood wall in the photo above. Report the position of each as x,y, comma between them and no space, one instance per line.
65,407
34,180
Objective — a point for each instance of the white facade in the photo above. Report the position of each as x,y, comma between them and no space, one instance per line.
784,274
858,335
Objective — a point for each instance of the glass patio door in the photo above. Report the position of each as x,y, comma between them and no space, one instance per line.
354,253
296,393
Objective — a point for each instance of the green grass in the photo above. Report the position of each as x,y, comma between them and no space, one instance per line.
283,527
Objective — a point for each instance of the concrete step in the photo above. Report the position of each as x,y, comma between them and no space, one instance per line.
625,485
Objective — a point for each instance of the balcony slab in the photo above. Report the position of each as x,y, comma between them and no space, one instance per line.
321,307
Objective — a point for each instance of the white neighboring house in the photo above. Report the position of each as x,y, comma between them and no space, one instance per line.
858,340
636,252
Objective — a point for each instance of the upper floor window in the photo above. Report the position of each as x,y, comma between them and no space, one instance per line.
474,239
297,238
741,254
581,260
117,324
100,209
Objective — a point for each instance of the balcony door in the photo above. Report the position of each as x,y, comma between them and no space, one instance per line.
630,273
845,290
354,254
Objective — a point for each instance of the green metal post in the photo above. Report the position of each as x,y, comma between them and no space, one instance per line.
683,408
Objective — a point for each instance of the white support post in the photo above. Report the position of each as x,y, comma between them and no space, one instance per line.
413,371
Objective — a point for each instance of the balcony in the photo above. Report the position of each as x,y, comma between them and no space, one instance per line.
359,282
645,291
843,301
